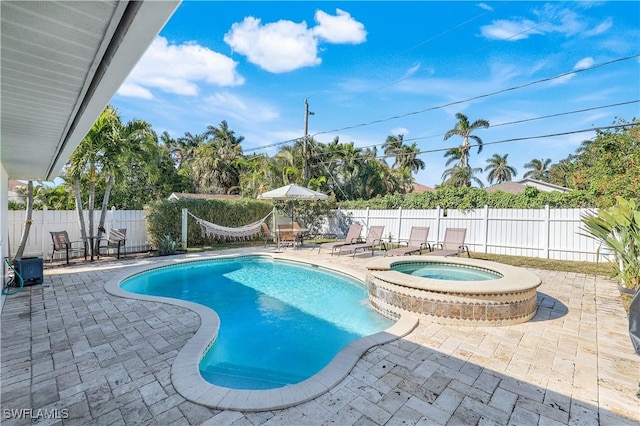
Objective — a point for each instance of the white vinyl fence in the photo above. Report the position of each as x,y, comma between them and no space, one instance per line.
545,233
44,221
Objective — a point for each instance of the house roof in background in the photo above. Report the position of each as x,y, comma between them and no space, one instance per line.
419,188
509,187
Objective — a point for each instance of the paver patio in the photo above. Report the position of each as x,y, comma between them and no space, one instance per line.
71,350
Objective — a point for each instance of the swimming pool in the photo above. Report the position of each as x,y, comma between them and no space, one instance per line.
280,322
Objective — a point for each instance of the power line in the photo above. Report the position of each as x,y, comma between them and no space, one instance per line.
486,95
382,120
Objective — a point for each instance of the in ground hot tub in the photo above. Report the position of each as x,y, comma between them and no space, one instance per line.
455,291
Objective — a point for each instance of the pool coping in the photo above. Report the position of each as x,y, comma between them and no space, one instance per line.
513,279
185,373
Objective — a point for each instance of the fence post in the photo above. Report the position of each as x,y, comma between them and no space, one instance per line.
438,213
547,228
184,229
113,217
485,243
366,219
399,222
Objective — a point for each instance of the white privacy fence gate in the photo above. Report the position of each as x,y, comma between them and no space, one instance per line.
44,221
544,233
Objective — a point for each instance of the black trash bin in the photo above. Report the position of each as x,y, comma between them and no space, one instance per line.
30,269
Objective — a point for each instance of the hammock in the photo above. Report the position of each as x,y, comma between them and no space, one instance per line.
217,231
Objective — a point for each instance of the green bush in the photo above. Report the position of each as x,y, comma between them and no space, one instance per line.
474,198
164,218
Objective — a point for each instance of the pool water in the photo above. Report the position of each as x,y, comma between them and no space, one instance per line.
439,271
280,322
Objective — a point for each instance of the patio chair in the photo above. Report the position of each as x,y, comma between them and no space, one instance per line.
267,236
453,243
374,238
115,240
61,243
286,235
353,237
415,244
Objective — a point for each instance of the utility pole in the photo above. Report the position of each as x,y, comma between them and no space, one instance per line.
307,113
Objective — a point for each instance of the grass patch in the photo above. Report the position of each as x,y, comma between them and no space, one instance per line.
592,268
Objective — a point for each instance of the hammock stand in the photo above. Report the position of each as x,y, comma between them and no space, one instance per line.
219,232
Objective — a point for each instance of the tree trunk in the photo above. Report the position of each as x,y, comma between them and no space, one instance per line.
27,221
103,212
78,197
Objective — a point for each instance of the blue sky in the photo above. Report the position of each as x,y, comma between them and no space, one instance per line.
374,69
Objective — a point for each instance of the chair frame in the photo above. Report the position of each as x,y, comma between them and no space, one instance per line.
446,248
286,235
116,239
413,244
60,241
350,238
374,235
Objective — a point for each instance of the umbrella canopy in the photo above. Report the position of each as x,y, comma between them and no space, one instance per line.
292,192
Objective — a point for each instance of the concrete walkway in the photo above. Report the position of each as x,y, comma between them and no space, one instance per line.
75,353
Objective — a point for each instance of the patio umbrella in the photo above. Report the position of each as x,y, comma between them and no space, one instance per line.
291,193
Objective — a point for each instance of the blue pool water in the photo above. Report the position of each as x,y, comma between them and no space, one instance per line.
280,322
439,271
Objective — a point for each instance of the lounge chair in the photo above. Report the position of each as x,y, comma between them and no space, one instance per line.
415,244
266,234
61,243
453,243
374,238
353,237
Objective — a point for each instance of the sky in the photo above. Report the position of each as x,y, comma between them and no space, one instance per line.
540,72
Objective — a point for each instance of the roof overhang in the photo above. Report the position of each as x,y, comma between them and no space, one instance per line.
61,64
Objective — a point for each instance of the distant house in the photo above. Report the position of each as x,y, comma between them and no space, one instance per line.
518,187
13,194
419,188
185,195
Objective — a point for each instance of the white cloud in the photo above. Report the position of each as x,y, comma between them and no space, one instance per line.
485,6
584,63
550,18
510,30
400,131
242,109
285,46
277,47
177,69
341,28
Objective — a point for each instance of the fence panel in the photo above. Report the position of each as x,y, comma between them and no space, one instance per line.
544,233
44,221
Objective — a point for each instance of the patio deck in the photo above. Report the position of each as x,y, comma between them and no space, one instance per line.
71,350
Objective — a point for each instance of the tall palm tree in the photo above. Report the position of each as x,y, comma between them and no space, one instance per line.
499,169
393,147
460,176
454,154
463,129
408,157
539,169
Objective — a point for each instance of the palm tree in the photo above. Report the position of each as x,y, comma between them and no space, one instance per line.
454,154
539,169
408,157
460,176
499,170
393,147
464,129
105,151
